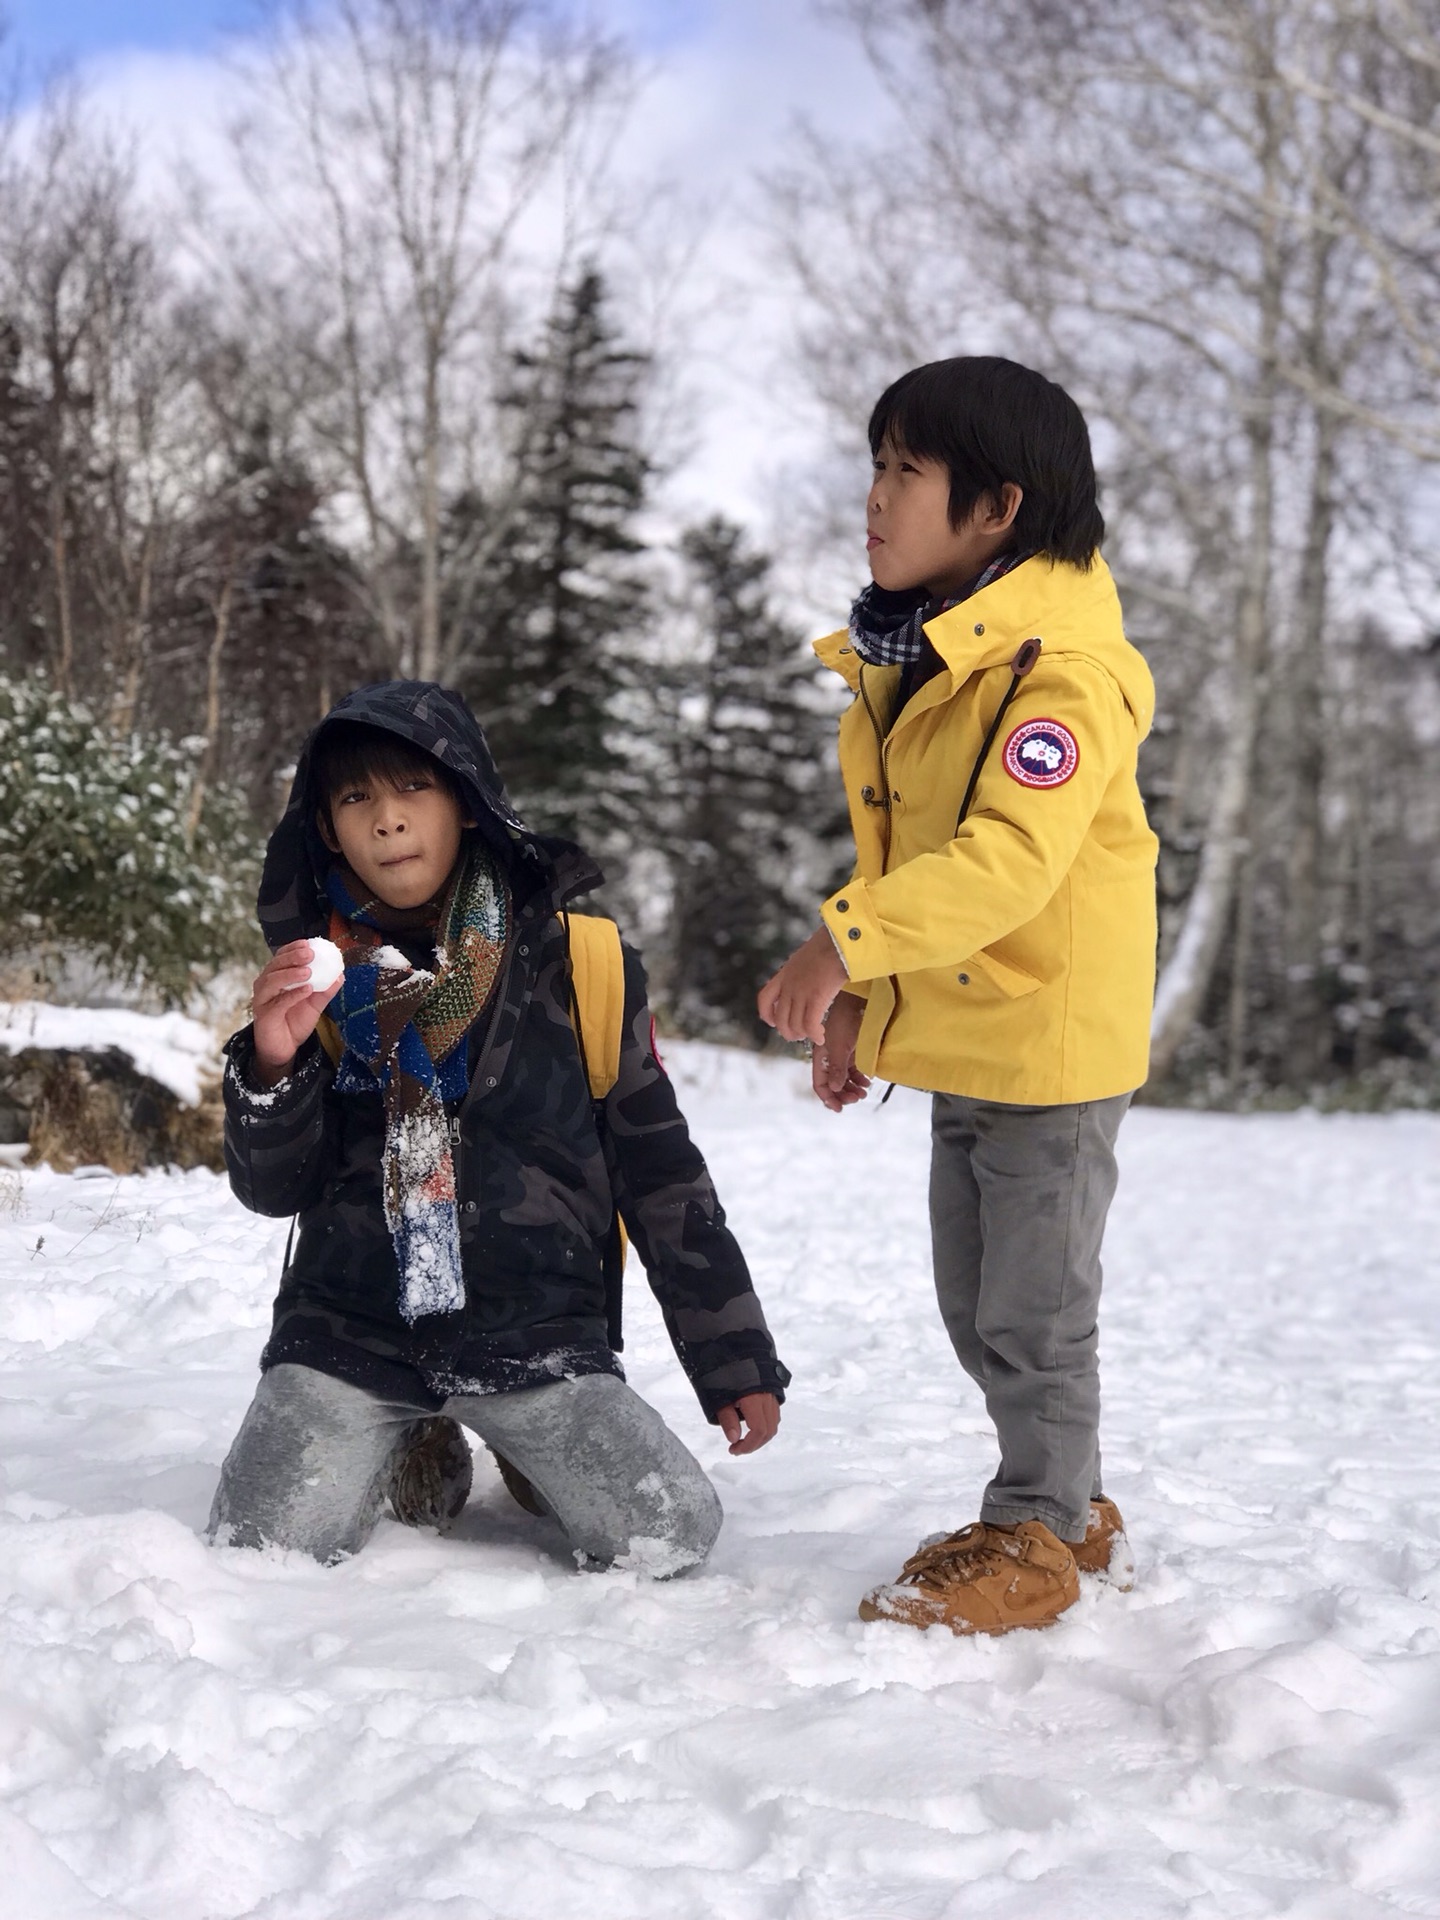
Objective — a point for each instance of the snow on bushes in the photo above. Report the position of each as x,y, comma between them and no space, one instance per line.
94,854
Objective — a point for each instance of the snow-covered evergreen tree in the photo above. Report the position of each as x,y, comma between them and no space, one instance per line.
759,803
93,849
555,614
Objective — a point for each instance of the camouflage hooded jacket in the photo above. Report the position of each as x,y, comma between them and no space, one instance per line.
540,1168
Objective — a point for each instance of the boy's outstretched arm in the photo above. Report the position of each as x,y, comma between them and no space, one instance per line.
694,1264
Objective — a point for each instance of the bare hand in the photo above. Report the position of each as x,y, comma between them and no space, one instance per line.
286,1010
796,1000
836,1080
758,1411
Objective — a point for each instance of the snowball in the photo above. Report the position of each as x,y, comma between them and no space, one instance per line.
327,964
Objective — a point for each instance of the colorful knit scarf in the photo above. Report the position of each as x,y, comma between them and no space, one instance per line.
405,1031
887,628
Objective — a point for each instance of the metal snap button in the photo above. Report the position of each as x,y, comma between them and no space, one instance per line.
980,628
854,933
842,906
964,979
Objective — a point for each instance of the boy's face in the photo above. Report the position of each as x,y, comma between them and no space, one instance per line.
400,840
909,536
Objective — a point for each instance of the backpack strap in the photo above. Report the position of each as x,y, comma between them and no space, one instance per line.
328,1034
597,977
597,1011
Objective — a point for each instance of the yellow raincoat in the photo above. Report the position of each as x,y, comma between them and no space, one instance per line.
1013,960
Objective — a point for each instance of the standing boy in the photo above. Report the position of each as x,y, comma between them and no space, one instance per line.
996,945
456,1183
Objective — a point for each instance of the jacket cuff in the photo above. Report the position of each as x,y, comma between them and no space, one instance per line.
857,933
245,1095
723,1386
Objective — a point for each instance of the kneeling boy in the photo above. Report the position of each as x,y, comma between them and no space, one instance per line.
457,1185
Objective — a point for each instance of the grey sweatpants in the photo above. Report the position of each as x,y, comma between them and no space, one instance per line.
1018,1199
310,1464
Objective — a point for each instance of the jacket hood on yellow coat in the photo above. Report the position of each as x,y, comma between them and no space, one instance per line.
1012,960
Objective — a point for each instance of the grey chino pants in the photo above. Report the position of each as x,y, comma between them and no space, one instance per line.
1018,1200
310,1464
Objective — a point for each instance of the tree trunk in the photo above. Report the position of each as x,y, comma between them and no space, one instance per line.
1239,1021
1187,975
1306,1046
427,657
205,772
60,559
1185,981
1364,908
127,696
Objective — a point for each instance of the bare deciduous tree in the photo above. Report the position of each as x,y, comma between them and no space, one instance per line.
400,153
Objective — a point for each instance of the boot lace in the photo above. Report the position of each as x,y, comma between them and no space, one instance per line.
962,1557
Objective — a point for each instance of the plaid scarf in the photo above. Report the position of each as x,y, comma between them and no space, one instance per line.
887,629
405,1031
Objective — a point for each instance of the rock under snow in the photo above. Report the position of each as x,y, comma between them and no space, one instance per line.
179,1053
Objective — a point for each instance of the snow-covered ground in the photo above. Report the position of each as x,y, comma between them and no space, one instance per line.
468,1729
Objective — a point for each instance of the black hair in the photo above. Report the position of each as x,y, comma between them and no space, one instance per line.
988,421
352,753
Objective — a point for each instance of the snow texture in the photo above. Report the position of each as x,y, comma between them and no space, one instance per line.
469,1729
420,1212
327,964
169,1048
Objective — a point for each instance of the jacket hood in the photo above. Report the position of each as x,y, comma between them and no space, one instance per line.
1072,610
292,904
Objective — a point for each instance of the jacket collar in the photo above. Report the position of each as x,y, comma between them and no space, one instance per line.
1040,598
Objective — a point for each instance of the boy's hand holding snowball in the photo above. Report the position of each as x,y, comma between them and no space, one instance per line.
289,997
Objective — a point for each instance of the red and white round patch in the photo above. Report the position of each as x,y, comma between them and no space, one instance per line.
1041,753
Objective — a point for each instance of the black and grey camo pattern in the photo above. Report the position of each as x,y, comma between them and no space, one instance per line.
538,1175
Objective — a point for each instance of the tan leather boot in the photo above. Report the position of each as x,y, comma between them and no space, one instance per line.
981,1580
1105,1551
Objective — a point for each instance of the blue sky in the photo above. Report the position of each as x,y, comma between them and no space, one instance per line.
49,30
